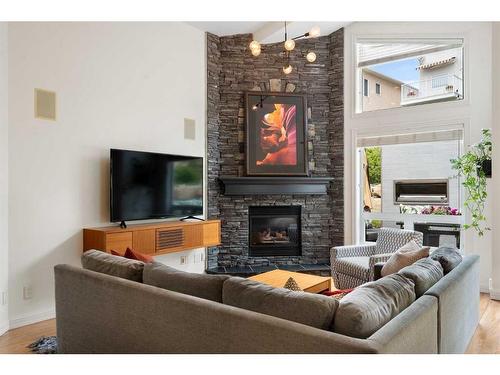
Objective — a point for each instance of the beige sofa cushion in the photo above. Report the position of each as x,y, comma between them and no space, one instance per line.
404,256
369,307
194,284
425,273
314,310
113,265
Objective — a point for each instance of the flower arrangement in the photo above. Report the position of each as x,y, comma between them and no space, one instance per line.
440,210
429,210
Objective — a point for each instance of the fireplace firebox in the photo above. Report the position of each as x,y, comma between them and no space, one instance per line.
274,231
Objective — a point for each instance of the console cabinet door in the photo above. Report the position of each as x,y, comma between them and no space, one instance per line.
118,241
211,234
144,241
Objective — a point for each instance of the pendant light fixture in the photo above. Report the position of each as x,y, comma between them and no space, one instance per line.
289,46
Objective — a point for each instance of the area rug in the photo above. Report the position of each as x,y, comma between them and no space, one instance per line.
44,345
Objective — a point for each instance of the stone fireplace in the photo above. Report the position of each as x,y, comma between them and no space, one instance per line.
274,231
232,71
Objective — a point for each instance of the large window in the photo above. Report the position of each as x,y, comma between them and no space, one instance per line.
408,72
406,181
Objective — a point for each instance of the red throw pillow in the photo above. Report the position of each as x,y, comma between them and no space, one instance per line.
132,254
335,292
116,253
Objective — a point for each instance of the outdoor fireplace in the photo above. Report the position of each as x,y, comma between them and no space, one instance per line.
274,231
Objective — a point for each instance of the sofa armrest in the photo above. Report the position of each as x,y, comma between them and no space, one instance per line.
364,250
377,270
413,331
377,258
458,296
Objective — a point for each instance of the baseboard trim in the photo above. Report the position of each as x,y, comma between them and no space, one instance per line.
484,289
4,328
495,294
32,318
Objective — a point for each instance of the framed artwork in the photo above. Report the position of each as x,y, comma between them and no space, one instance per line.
276,131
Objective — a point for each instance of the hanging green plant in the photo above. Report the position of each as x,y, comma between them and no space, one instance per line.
474,166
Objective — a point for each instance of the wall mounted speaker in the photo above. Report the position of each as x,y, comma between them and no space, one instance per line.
45,104
189,129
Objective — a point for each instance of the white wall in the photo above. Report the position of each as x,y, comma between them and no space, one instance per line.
118,85
4,318
473,113
427,160
495,186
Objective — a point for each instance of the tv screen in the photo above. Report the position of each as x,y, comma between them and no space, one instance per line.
146,185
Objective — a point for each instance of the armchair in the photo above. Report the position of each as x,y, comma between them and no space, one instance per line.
353,265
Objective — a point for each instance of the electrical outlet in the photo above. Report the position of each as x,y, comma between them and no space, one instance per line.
28,292
184,259
4,298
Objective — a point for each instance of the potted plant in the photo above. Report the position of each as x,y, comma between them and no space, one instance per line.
474,166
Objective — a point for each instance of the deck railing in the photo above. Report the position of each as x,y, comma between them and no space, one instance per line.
440,86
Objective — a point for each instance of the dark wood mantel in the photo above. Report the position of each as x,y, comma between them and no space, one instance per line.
275,185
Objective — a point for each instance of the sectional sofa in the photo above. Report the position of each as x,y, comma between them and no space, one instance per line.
100,313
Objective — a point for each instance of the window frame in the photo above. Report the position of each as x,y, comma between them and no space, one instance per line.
378,88
356,220
366,88
356,106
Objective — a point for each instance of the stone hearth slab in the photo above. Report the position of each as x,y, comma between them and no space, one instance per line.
245,271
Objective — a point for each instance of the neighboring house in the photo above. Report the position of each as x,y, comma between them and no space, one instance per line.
440,79
380,91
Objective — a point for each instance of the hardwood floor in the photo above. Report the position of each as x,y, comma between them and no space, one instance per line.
486,340
17,340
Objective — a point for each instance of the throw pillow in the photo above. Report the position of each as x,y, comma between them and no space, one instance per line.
113,265
404,256
292,285
116,253
194,284
132,254
310,309
370,306
337,294
448,257
425,273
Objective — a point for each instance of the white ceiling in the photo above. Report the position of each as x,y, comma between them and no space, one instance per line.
266,32
228,28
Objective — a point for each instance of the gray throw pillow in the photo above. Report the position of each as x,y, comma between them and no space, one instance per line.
314,310
424,273
448,257
99,261
369,307
194,284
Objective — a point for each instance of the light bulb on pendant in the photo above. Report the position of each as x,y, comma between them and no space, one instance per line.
254,45
311,57
287,69
314,32
256,51
289,45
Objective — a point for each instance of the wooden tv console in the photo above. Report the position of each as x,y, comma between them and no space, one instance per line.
154,238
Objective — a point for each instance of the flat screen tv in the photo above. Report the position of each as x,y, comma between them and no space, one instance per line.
146,185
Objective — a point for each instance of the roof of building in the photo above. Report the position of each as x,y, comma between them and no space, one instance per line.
383,76
439,63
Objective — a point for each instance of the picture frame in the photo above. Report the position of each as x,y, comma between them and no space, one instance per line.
276,134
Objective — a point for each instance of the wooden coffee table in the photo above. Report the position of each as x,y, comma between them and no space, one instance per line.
308,283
